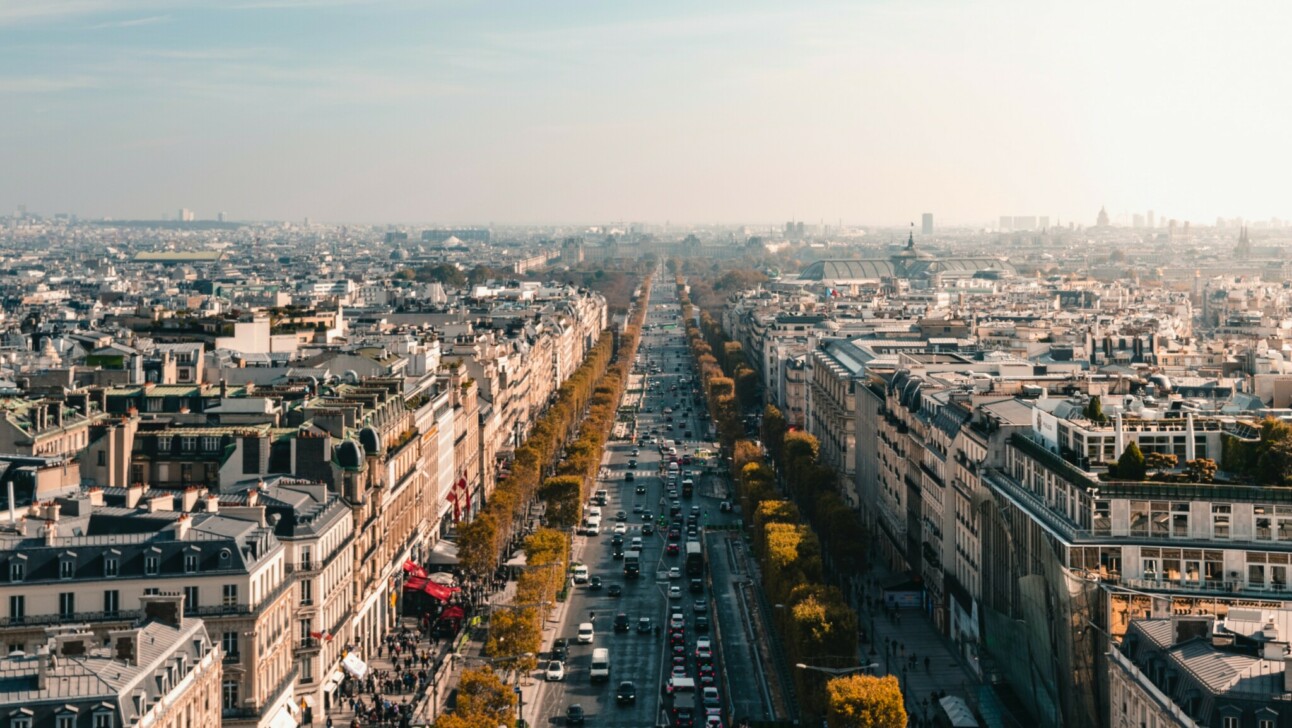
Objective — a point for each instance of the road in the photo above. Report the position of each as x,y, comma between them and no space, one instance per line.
664,363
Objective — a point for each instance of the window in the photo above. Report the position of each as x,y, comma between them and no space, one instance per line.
163,443
1139,518
1179,520
190,563
111,566
111,601
1265,723
229,644
152,564
104,720
17,570
150,591
66,569
229,693
1103,518
66,721
17,608
187,443
103,457
21,721
190,599
307,592
210,444
230,595
307,669
1229,721
1264,518
67,605
1220,520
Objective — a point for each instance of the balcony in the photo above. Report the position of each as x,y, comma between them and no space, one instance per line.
270,700
307,644
35,620
1214,586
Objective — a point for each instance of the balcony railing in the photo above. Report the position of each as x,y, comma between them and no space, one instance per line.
32,620
1212,586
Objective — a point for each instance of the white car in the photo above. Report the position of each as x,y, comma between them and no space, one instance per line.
704,649
677,621
555,671
586,634
620,528
674,572
710,698
675,592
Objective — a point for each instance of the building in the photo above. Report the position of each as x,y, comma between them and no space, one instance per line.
161,671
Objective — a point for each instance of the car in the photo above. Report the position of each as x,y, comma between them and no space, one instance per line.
648,529
676,637
702,624
594,583
626,692
673,573
555,671
679,651
621,622
703,649
672,549
700,606
679,661
638,509
574,715
677,621
712,721
621,516
560,648
621,528
697,586
641,490
675,592
586,634
644,625
617,553
632,464
637,451
675,534
617,540
647,516
679,671
695,511
616,590
704,667
710,699
629,477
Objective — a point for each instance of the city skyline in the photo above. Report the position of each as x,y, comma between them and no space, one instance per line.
870,114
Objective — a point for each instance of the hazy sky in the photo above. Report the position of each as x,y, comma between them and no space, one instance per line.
543,111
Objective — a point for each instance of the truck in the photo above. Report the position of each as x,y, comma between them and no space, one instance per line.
683,709
632,564
600,665
694,559
688,488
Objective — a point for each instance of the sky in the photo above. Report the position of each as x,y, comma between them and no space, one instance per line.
554,112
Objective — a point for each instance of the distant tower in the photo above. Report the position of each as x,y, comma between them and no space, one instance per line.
1243,250
220,217
926,224
910,239
1152,223
185,215
1102,221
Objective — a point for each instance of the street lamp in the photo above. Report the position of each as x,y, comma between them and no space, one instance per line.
837,671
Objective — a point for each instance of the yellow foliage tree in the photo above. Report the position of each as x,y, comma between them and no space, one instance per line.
863,701
484,701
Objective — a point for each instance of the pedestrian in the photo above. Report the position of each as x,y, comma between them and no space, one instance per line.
926,664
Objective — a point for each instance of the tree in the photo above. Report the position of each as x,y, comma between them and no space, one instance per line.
1131,465
514,636
1201,470
478,544
1160,461
1094,410
484,700
444,273
1274,467
774,428
563,494
864,701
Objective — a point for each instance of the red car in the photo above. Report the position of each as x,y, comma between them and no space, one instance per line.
672,549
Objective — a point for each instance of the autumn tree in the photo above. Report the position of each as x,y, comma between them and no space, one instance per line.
1200,470
864,701
477,544
563,495
483,701
515,638
1160,461
774,429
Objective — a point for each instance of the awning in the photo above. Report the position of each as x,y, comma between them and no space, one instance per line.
443,552
411,567
334,680
453,612
439,591
443,577
283,719
415,583
354,665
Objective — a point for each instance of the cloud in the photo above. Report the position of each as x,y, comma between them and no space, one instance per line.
132,22
43,84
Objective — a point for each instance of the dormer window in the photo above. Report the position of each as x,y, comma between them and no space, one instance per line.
111,565
187,443
190,563
163,443
66,568
210,444
17,570
152,564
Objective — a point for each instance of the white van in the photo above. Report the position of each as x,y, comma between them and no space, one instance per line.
594,512
600,664
580,574
592,526
585,633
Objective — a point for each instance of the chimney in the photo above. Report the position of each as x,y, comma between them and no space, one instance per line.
53,510
189,499
124,647
96,496
46,662
182,524
253,497
51,533
134,494
212,503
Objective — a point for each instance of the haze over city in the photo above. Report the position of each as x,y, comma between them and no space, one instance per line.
749,112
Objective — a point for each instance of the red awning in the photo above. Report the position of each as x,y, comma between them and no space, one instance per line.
453,612
415,583
411,567
438,591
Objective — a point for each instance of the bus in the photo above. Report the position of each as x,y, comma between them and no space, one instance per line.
694,559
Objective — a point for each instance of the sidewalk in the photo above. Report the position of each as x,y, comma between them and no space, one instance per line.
912,630
409,700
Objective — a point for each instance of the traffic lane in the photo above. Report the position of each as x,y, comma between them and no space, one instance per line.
743,692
